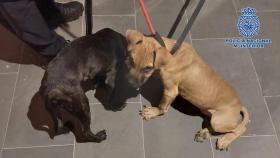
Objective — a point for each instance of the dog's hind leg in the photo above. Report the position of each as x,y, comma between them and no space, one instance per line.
83,113
85,118
227,121
52,108
59,127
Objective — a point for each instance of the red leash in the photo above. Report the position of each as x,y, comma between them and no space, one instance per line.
155,34
178,19
147,17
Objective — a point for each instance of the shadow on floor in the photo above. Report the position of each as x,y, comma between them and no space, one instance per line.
38,115
120,94
152,91
41,119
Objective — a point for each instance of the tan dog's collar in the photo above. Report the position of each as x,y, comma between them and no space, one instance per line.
154,58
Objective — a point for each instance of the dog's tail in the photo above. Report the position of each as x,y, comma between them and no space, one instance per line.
88,16
245,114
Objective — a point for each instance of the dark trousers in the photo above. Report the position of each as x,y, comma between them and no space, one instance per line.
27,22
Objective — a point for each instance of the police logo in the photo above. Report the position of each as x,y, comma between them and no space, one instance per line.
248,23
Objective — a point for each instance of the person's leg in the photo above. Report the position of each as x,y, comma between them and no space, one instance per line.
26,21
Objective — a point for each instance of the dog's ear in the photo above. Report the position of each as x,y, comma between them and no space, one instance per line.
162,57
134,37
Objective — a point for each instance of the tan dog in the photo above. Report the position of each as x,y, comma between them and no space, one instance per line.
186,74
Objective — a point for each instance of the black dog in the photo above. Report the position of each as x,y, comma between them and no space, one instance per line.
93,59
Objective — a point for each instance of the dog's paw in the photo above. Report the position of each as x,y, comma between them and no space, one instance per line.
222,144
201,135
150,112
101,135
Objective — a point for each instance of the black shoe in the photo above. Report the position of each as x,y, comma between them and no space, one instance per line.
70,11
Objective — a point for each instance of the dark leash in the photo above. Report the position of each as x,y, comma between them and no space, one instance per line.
88,16
188,26
175,25
178,19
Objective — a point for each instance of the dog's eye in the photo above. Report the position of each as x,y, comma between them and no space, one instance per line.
139,42
147,69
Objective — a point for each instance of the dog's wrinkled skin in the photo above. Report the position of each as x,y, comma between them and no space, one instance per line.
94,60
186,74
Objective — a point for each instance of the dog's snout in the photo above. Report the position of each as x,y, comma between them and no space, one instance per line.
133,80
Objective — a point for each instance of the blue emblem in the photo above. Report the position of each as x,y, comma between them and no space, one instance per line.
248,23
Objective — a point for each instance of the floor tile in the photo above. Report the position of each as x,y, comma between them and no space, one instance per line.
260,5
163,14
103,7
273,104
29,115
93,99
172,135
10,47
72,30
42,152
267,60
65,1
217,19
117,23
251,147
236,67
124,134
7,84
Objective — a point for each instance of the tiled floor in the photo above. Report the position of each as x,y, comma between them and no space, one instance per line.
254,73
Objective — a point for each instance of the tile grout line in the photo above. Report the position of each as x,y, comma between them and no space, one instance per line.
218,38
277,139
43,146
83,21
113,15
253,136
235,6
129,102
74,147
8,73
258,80
212,148
267,11
10,111
141,103
186,21
142,124
191,40
249,136
11,105
267,96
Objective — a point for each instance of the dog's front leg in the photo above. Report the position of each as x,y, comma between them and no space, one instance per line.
82,111
169,94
